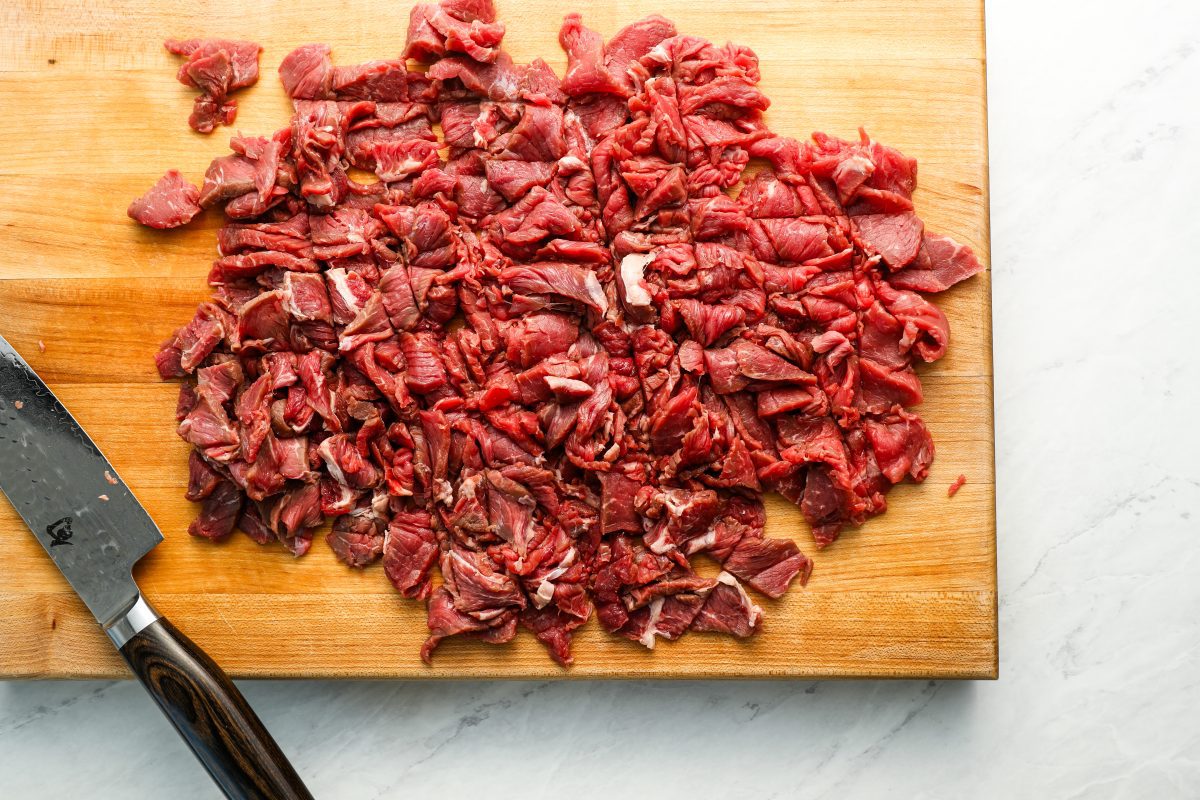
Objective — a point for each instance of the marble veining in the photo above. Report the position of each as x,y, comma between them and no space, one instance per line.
1095,156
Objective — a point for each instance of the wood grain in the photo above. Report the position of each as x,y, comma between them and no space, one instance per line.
911,593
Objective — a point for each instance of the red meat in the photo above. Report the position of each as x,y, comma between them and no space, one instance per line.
564,361
170,203
215,67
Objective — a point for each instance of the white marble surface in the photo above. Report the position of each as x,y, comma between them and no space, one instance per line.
1095,161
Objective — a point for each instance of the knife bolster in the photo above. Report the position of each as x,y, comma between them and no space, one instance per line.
132,622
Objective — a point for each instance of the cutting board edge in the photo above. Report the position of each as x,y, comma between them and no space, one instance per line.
989,343
40,662
981,672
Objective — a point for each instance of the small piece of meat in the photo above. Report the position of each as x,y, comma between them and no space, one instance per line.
795,240
305,296
307,72
211,74
554,629
243,57
666,617
399,303
215,67
586,70
444,621
925,328
228,177
170,203
902,445
346,463
252,524
495,80
728,609
478,587
617,511
194,342
940,263
453,26
538,136
684,516
297,511
514,178
470,10
263,322
567,280
219,512
426,371
599,114
773,402
249,265
959,482
378,81
357,538
768,565
760,364
409,552
538,336
202,478
634,41
896,237
708,323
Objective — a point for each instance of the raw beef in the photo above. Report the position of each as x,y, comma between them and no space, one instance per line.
215,67
170,203
551,355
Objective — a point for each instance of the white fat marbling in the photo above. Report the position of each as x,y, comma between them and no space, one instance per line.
1095,137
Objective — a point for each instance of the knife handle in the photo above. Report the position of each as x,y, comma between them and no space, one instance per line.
206,708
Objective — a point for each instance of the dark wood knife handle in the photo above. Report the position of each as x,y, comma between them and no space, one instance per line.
211,715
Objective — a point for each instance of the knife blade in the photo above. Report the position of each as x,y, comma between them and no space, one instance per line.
95,530
68,493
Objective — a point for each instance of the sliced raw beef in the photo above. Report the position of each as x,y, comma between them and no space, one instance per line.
940,263
215,67
545,358
170,203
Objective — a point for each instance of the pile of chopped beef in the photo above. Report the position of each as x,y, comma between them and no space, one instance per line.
554,351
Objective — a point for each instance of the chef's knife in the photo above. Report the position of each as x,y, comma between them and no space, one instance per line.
95,530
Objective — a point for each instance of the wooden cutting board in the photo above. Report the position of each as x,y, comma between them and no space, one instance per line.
93,115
